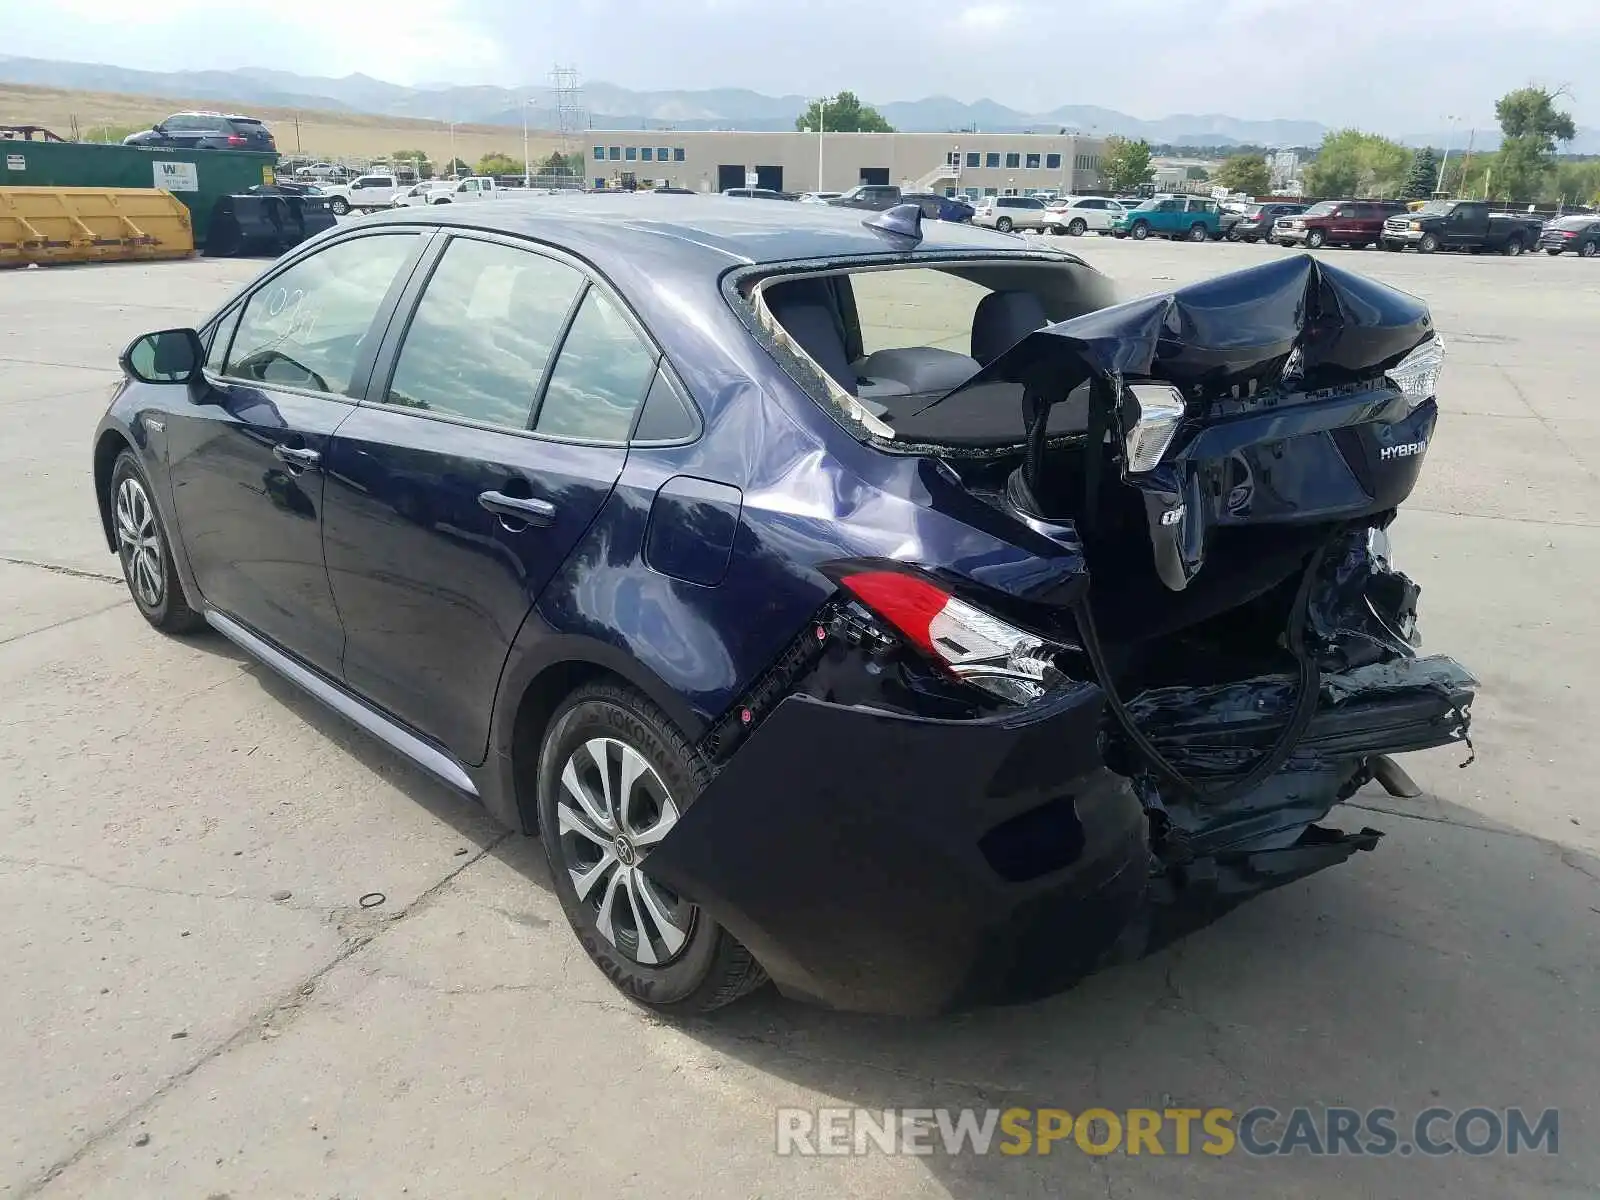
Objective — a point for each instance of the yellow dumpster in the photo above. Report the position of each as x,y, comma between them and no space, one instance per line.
74,225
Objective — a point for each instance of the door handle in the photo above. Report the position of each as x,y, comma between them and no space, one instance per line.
519,508
296,457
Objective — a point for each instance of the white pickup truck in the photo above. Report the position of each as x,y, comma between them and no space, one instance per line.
465,191
363,194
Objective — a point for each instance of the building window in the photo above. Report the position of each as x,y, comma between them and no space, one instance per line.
991,191
599,153
950,193
952,158
1052,162
646,154
677,154
973,159
661,154
1033,162
991,160
631,153
972,193
616,153
1013,161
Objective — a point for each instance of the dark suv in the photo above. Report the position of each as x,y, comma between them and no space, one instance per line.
1356,223
1256,222
205,131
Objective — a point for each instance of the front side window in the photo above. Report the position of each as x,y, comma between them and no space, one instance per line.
1013,160
600,376
304,328
483,332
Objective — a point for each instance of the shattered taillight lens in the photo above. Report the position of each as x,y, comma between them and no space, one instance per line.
973,645
1417,374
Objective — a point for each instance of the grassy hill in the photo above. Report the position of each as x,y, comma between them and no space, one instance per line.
106,116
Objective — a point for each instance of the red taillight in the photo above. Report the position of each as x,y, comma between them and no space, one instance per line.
907,602
235,140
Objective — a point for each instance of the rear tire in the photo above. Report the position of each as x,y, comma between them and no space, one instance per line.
1078,227
143,550
1197,232
1315,239
656,947
1004,225
1513,248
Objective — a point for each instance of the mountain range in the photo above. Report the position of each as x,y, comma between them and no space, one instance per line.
608,106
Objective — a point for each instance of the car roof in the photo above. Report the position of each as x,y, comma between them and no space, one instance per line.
697,231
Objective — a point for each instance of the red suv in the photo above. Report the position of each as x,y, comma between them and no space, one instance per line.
1337,223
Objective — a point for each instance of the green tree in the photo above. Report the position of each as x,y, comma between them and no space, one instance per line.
1424,175
844,113
1574,183
458,166
561,165
1352,163
1247,173
1530,127
1198,174
1125,165
416,159
496,163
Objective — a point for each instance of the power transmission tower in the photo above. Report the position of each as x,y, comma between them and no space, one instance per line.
568,96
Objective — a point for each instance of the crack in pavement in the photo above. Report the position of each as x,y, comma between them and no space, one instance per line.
60,570
1482,516
17,637
74,869
287,1002
1548,427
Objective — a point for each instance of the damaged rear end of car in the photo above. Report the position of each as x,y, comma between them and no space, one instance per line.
1168,641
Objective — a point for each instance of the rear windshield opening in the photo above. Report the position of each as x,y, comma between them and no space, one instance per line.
882,343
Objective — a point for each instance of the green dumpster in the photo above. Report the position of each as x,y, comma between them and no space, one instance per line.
195,177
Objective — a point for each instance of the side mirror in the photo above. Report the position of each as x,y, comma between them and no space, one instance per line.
170,356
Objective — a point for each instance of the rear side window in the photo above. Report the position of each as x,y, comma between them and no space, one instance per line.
600,377
305,327
483,333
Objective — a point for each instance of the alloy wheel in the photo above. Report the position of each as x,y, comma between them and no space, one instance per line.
139,539
613,809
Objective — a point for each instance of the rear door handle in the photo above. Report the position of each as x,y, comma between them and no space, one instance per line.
519,508
296,457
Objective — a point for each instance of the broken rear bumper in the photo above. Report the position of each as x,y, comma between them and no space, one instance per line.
887,863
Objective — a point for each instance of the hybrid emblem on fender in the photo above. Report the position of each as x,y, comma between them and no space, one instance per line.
1403,450
1173,515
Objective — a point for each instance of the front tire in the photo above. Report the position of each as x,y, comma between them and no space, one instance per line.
143,551
614,777
1428,243
1589,249
1140,231
1315,239
340,206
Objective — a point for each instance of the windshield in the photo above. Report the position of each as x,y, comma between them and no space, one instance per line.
1326,209
1436,208
1149,205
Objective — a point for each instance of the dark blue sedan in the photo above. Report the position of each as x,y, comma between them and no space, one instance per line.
744,552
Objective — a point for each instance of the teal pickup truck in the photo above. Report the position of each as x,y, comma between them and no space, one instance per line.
1193,218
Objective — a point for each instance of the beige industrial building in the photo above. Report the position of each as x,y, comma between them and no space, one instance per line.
965,164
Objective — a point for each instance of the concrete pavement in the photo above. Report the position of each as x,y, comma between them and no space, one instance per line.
201,1006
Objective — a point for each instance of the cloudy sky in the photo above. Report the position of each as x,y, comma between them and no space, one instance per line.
1398,66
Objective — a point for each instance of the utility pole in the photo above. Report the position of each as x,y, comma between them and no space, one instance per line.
527,172
1444,162
822,125
452,171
